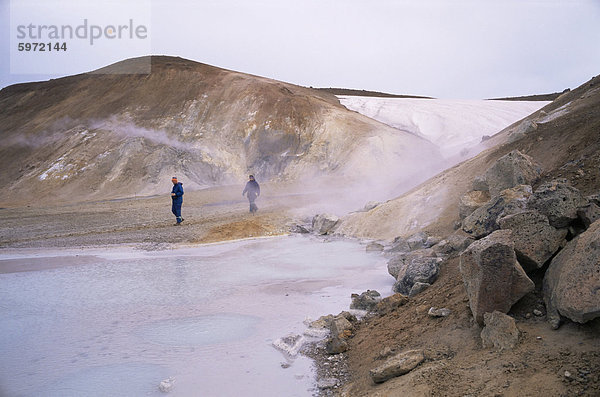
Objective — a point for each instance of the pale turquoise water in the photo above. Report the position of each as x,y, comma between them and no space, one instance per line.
206,316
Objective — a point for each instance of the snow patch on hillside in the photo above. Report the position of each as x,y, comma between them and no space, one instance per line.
452,125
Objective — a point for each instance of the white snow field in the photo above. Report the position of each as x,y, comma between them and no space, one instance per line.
450,124
123,320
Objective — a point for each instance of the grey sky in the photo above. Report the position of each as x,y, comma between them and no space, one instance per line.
447,49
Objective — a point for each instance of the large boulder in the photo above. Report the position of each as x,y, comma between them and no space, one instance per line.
484,220
559,201
417,241
456,242
511,170
340,328
324,223
471,201
368,300
572,282
493,278
403,259
397,365
399,245
535,240
418,270
500,331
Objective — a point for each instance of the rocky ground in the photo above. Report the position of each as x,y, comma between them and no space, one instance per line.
563,362
452,360
210,215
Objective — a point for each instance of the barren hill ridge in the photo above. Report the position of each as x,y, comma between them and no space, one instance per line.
93,136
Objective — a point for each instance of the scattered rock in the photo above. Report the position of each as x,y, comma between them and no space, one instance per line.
336,345
374,247
340,328
559,201
500,331
511,170
368,300
399,245
327,383
412,268
484,220
299,229
417,241
322,322
493,278
417,288
324,223
402,260
471,201
397,365
524,128
339,325
572,282
456,242
537,312
435,312
535,240
588,214
431,241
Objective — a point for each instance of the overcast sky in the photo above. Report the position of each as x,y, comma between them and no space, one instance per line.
445,49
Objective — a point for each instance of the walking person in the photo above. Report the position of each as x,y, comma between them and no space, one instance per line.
177,198
252,191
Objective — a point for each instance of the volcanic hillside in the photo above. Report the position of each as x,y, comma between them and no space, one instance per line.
110,135
563,137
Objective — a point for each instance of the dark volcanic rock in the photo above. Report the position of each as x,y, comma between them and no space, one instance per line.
417,240
368,300
324,223
535,240
511,170
403,259
559,201
423,270
471,201
397,365
493,278
484,220
572,282
500,331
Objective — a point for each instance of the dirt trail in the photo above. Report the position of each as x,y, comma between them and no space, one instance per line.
217,214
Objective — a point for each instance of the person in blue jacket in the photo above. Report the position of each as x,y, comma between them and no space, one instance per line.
252,191
177,198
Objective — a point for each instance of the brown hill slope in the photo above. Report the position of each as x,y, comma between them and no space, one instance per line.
564,137
114,135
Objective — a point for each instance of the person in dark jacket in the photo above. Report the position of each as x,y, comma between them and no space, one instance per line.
252,191
177,198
